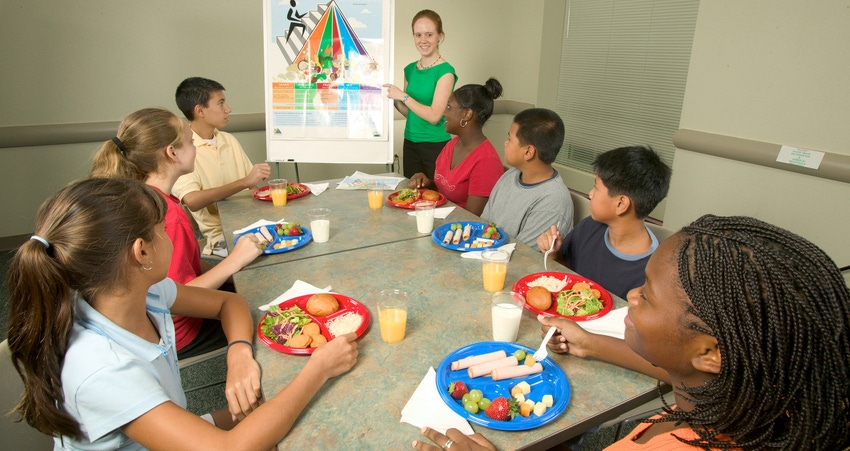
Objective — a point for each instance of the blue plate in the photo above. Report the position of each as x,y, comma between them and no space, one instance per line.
301,239
551,381
477,229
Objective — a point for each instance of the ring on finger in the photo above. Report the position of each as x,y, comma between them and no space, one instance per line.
448,444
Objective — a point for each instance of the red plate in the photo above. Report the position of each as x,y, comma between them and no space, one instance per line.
265,194
346,305
410,205
521,286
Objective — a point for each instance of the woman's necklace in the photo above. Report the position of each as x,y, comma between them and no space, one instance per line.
421,67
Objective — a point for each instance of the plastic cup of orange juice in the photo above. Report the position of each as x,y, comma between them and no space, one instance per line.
278,191
494,269
375,194
392,314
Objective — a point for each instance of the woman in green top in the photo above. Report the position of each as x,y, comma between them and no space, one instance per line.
428,83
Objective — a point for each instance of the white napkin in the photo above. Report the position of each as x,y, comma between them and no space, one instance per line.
316,188
477,254
426,408
440,213
298,288
611,324
259,223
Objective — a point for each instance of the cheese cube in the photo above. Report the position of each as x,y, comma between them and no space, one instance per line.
547,400
539,409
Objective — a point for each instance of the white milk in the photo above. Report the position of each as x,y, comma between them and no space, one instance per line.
321,229
506,318
425,220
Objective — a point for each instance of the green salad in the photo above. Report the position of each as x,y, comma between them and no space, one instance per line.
578,303
281,325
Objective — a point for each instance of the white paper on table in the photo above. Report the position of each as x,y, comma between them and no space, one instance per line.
299,288
259,223
362,180
316,188
477,254
440,213
611,324
426,408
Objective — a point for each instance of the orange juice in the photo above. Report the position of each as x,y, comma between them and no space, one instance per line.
393,322
494,276
279,197
376,199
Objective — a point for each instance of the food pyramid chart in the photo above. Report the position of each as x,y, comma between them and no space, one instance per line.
329,45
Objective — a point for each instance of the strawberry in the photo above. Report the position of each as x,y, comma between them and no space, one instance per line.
294,231
458,389
501,409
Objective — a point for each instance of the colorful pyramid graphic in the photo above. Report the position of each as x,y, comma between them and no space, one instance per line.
330,47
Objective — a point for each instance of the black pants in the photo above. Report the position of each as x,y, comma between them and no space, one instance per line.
421,157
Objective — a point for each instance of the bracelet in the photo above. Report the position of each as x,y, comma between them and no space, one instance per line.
404,99
237,342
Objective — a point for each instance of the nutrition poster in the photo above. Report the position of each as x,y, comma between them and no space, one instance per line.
325,64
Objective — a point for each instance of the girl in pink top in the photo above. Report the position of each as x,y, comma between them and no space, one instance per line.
154,146
469,166
750,325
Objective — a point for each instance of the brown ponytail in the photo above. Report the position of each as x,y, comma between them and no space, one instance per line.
144,135
89,227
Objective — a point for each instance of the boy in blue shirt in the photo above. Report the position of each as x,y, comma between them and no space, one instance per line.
612,245
531,196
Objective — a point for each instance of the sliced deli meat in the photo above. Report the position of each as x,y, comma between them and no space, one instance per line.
483,369
516,371
467,362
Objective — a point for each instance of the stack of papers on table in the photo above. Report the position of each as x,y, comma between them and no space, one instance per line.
361,180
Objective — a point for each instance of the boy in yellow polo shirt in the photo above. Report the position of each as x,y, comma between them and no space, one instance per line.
221,167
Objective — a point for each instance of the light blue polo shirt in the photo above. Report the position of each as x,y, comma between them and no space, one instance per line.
111,376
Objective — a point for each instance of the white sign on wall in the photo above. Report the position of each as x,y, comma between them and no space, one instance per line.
325,64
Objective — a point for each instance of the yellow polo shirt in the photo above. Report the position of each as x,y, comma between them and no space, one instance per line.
213,167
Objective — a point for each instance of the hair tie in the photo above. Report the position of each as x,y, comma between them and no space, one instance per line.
119,144
43,241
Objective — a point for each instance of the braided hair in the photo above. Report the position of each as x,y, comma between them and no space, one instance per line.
780,311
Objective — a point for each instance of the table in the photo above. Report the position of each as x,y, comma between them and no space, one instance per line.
353,224
448,309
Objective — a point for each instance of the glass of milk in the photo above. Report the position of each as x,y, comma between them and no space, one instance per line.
506,310
320,224
424,215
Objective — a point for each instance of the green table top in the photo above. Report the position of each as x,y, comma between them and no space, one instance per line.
448,309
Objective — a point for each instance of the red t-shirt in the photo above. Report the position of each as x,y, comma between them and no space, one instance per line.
476,175
185,263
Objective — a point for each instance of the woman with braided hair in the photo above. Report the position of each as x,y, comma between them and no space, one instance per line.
751,324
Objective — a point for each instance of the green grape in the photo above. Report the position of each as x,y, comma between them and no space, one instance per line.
471,406
519,354
483,403
466,398
475,395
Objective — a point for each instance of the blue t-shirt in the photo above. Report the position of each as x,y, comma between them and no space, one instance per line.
110,376
588,252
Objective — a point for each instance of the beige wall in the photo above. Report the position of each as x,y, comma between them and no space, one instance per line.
67,64
773,72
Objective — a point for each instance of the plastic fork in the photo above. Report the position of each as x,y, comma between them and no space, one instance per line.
541,352
551,247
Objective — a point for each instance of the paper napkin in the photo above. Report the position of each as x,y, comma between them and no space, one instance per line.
440,213
611,324
477,254
259,223
316,188
298,288
427,408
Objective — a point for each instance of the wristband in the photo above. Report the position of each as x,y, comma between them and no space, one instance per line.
404,99
237,342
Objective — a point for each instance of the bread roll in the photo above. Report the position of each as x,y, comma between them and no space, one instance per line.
322,304
539,298
429,194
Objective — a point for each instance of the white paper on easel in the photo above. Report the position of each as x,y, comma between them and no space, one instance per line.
800,157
